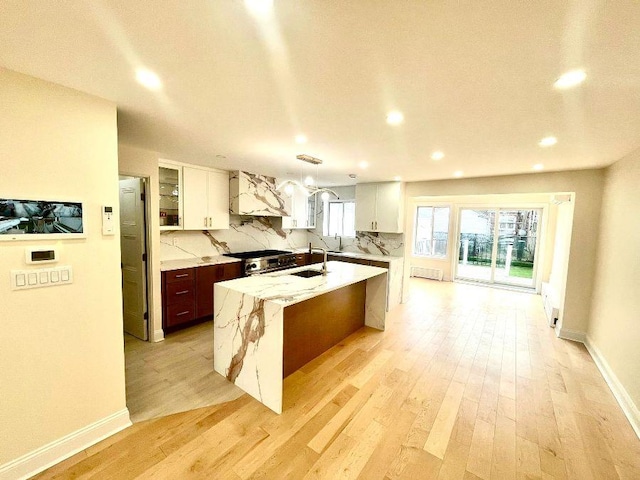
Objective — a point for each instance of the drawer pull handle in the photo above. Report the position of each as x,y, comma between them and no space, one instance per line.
182,292
182,313
182,275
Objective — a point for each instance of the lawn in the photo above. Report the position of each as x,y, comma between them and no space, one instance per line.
522,272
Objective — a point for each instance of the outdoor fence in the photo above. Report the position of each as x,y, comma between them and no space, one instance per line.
480,248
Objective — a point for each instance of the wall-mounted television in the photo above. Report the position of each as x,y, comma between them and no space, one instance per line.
22,219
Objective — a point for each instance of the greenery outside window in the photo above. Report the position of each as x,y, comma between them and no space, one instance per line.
431,235
339,219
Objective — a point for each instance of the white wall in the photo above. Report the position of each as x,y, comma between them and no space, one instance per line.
144,163
61,348
587,185
614,326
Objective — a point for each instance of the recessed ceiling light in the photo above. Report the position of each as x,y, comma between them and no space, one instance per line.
538,167
570,79
397,178
458,173
301,138
259,7
437,155
548,141
148,79
363,164
395,118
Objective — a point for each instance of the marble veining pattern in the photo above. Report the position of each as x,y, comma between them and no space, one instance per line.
248,321
167,265
247,331
252,194
391,244
244,234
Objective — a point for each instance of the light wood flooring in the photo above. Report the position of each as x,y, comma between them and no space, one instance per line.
174,375
466,383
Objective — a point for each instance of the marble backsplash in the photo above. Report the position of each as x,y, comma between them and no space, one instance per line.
244,234
364,242
258,233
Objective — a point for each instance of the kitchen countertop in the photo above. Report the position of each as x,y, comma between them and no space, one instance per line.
248,321
284,289
168,265
365,256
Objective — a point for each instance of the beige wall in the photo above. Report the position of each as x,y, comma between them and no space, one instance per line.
614,327
144,163
587,185
61,348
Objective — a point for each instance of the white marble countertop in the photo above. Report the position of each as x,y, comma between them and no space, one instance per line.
168,265
365,256
285,289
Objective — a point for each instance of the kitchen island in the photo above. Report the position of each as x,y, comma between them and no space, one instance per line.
263,322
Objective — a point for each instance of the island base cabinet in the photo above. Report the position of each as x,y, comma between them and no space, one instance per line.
314,326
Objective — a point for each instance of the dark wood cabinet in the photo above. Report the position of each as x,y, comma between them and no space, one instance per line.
302,259
314,326
376,263
205,278
187,294
359,261
178,297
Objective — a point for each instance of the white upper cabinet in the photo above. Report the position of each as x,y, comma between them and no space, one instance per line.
380,207
252,194
302,210
170,177
205,199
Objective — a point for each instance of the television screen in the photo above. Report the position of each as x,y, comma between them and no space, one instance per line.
40,217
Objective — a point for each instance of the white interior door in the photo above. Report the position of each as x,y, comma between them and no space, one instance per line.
133,257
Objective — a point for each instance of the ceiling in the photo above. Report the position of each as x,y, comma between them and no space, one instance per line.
473,79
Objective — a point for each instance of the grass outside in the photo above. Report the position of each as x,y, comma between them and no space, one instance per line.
521,272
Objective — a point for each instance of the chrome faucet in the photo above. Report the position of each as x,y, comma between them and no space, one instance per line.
324,261
338,237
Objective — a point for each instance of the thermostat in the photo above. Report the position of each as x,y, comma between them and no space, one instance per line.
108,228
41,255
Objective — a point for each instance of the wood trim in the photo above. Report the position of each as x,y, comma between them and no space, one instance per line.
315,325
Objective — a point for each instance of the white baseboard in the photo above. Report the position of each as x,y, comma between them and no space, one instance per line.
626,403
158,335
63,448
573,335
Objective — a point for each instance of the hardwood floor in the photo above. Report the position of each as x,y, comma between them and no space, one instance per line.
175,375
466,382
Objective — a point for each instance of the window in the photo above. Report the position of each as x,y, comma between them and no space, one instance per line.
432,231
340,219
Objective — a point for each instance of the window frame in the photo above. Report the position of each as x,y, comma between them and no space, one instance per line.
432,206
326,222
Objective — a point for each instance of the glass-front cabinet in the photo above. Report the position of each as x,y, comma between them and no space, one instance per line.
170,196
303,211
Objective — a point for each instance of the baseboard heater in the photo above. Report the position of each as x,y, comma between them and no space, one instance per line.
550,304
430,273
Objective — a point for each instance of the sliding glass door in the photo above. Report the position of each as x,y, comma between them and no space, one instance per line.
498,246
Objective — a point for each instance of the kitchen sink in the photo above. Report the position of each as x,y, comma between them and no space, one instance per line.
307,273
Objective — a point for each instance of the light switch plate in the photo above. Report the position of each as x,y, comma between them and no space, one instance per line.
41,277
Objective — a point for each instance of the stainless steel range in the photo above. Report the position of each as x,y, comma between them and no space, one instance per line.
263,261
